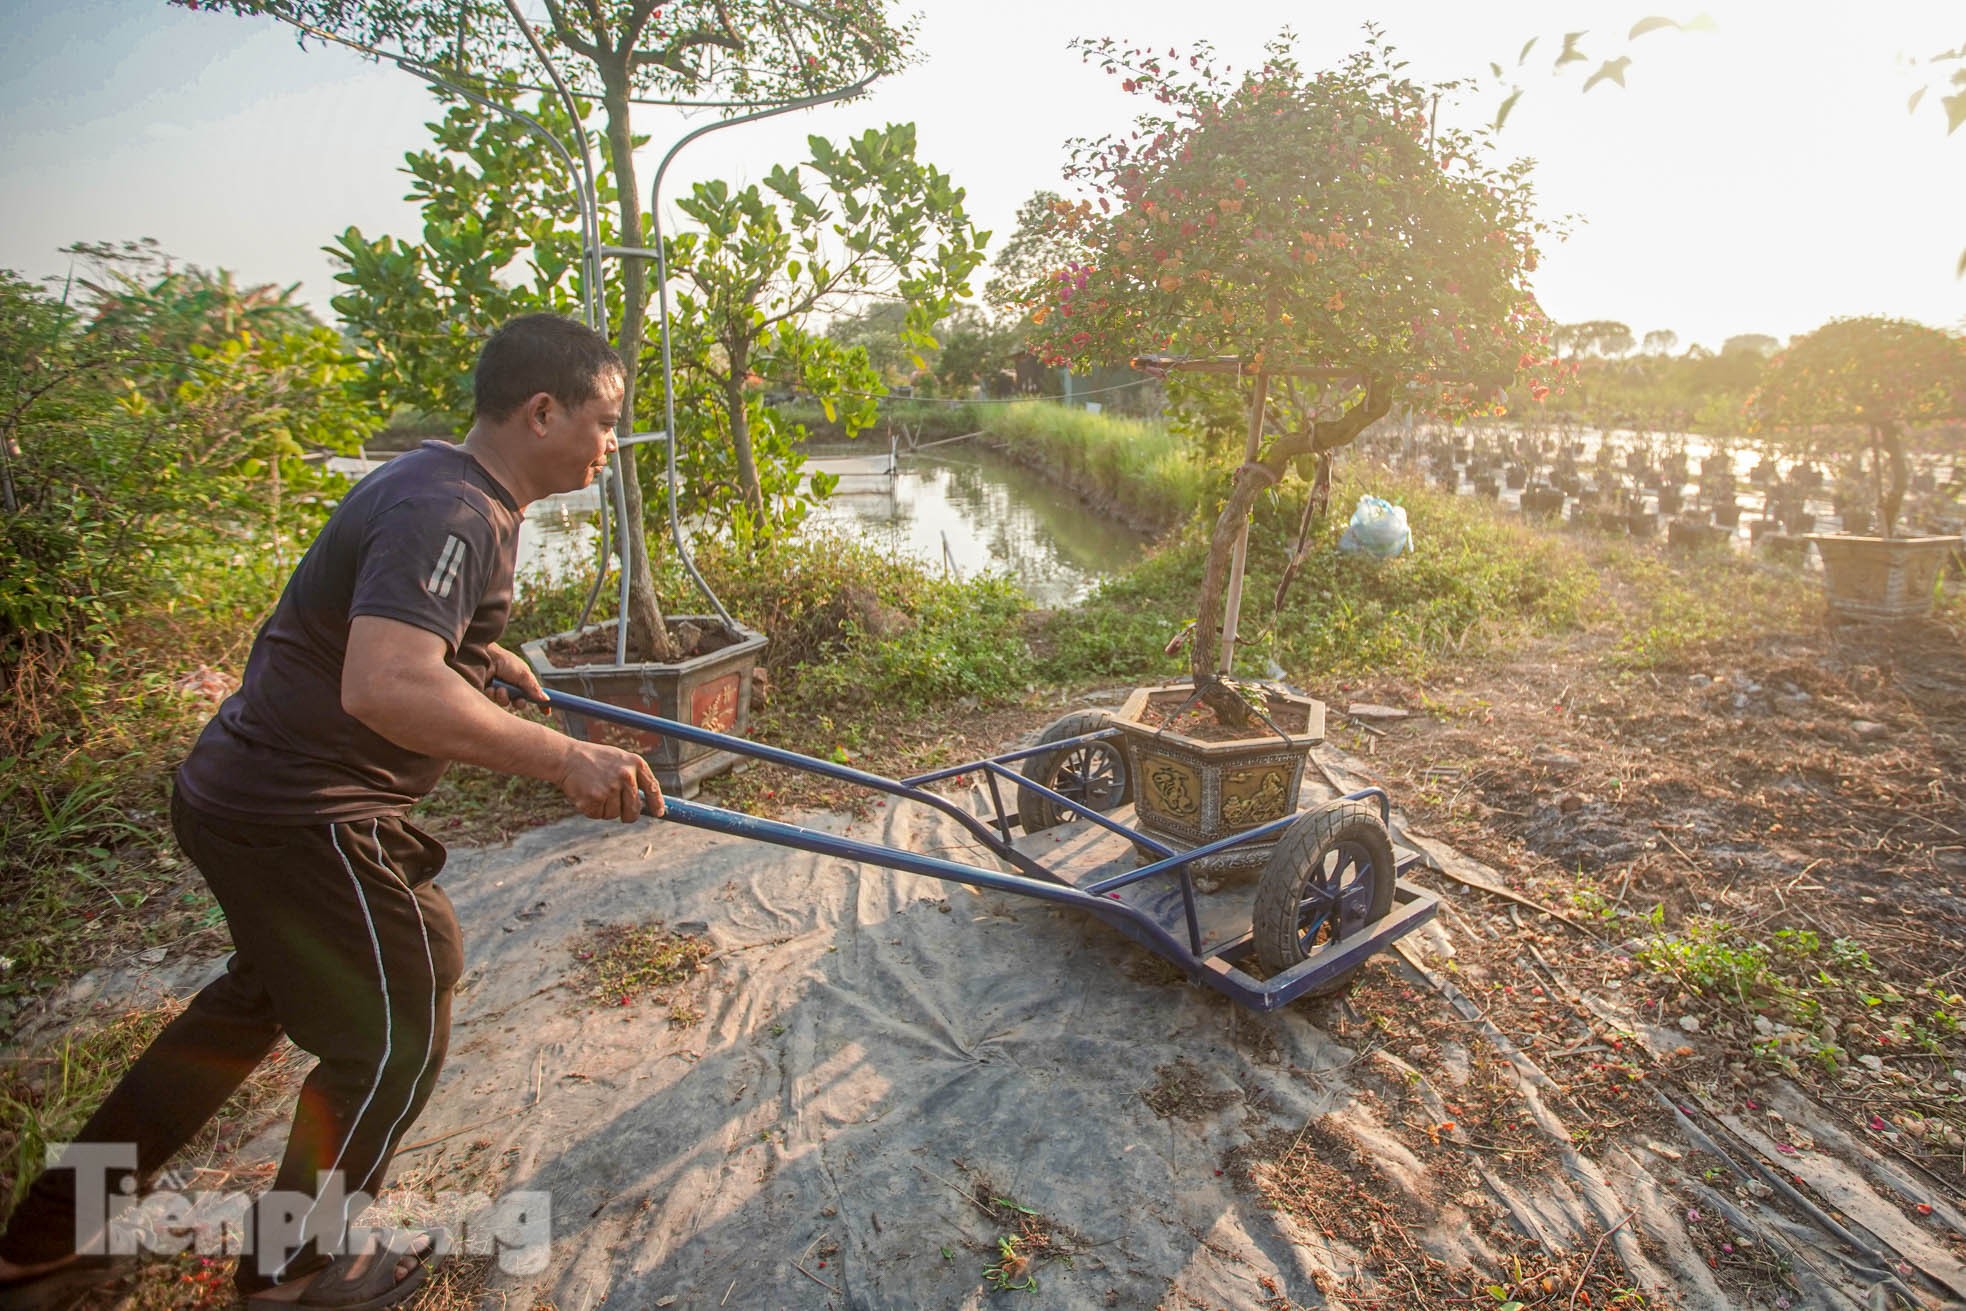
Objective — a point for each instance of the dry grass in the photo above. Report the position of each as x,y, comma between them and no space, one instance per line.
625,963
47,1094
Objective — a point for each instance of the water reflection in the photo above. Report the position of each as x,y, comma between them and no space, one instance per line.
971,512
975,512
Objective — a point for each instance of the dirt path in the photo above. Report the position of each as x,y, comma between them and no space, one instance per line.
1753,986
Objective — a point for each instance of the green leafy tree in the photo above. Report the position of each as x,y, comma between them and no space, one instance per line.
1603,337
500,237
754,271
764,260
1867,379
1751,343
1315,227
975,349
169,412
616,52
876,329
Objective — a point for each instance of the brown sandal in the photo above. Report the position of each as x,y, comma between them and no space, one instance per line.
364,1280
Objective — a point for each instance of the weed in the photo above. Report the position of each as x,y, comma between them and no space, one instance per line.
1475,583
1012,1271
1686,606
627,961
1804,999
1593,903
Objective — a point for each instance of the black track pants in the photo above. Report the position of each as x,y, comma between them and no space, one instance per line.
343,942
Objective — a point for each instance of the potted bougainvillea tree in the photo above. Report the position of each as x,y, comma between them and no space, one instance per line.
1324,242
1853,388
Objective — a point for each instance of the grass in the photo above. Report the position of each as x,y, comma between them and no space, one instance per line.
46,1095
1689,604
1475,582
1137,465
853,631
1801,999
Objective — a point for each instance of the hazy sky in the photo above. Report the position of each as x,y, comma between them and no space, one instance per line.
1763,177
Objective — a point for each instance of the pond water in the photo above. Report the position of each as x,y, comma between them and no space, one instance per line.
962,507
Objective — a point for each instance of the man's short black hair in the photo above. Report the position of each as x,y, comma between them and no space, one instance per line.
540,353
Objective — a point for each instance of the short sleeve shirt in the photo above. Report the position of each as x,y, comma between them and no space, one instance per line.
430,540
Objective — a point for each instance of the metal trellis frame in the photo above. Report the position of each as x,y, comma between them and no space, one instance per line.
593,303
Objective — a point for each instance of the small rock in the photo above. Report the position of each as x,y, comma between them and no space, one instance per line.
1739,701
1690,1023
1763,1025
1546,757
1871,1062
1869,731
1699,680
152,955
1374,713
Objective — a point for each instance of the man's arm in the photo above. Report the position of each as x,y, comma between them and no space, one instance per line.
395,681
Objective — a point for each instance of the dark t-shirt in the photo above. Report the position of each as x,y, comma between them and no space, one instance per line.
429,539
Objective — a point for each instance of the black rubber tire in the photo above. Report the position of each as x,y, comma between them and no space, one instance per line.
1339,853
1094,772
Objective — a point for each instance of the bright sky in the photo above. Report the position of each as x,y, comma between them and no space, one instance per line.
1760,178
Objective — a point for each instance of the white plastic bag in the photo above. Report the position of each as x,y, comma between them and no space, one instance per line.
1378,529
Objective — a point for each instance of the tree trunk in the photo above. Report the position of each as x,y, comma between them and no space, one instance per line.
740,433
1318,439
648,634
1249,482
1891,498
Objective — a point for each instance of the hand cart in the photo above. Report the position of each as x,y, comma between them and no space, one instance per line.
1329,896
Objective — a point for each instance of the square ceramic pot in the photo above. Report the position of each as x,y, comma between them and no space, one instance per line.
1189,791
711,691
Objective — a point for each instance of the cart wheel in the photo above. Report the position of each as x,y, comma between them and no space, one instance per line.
1091,772
1330,875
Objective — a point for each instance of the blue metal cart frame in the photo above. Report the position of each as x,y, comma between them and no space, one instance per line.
1219,966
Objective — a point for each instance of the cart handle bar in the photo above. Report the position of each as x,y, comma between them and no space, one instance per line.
1108,907
567,702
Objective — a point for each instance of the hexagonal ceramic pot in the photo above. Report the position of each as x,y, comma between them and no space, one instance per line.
1882,579
1189,791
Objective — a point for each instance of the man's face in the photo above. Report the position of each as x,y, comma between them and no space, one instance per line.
578,440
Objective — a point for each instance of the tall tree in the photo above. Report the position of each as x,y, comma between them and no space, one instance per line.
1037,245
1319,227
619,52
